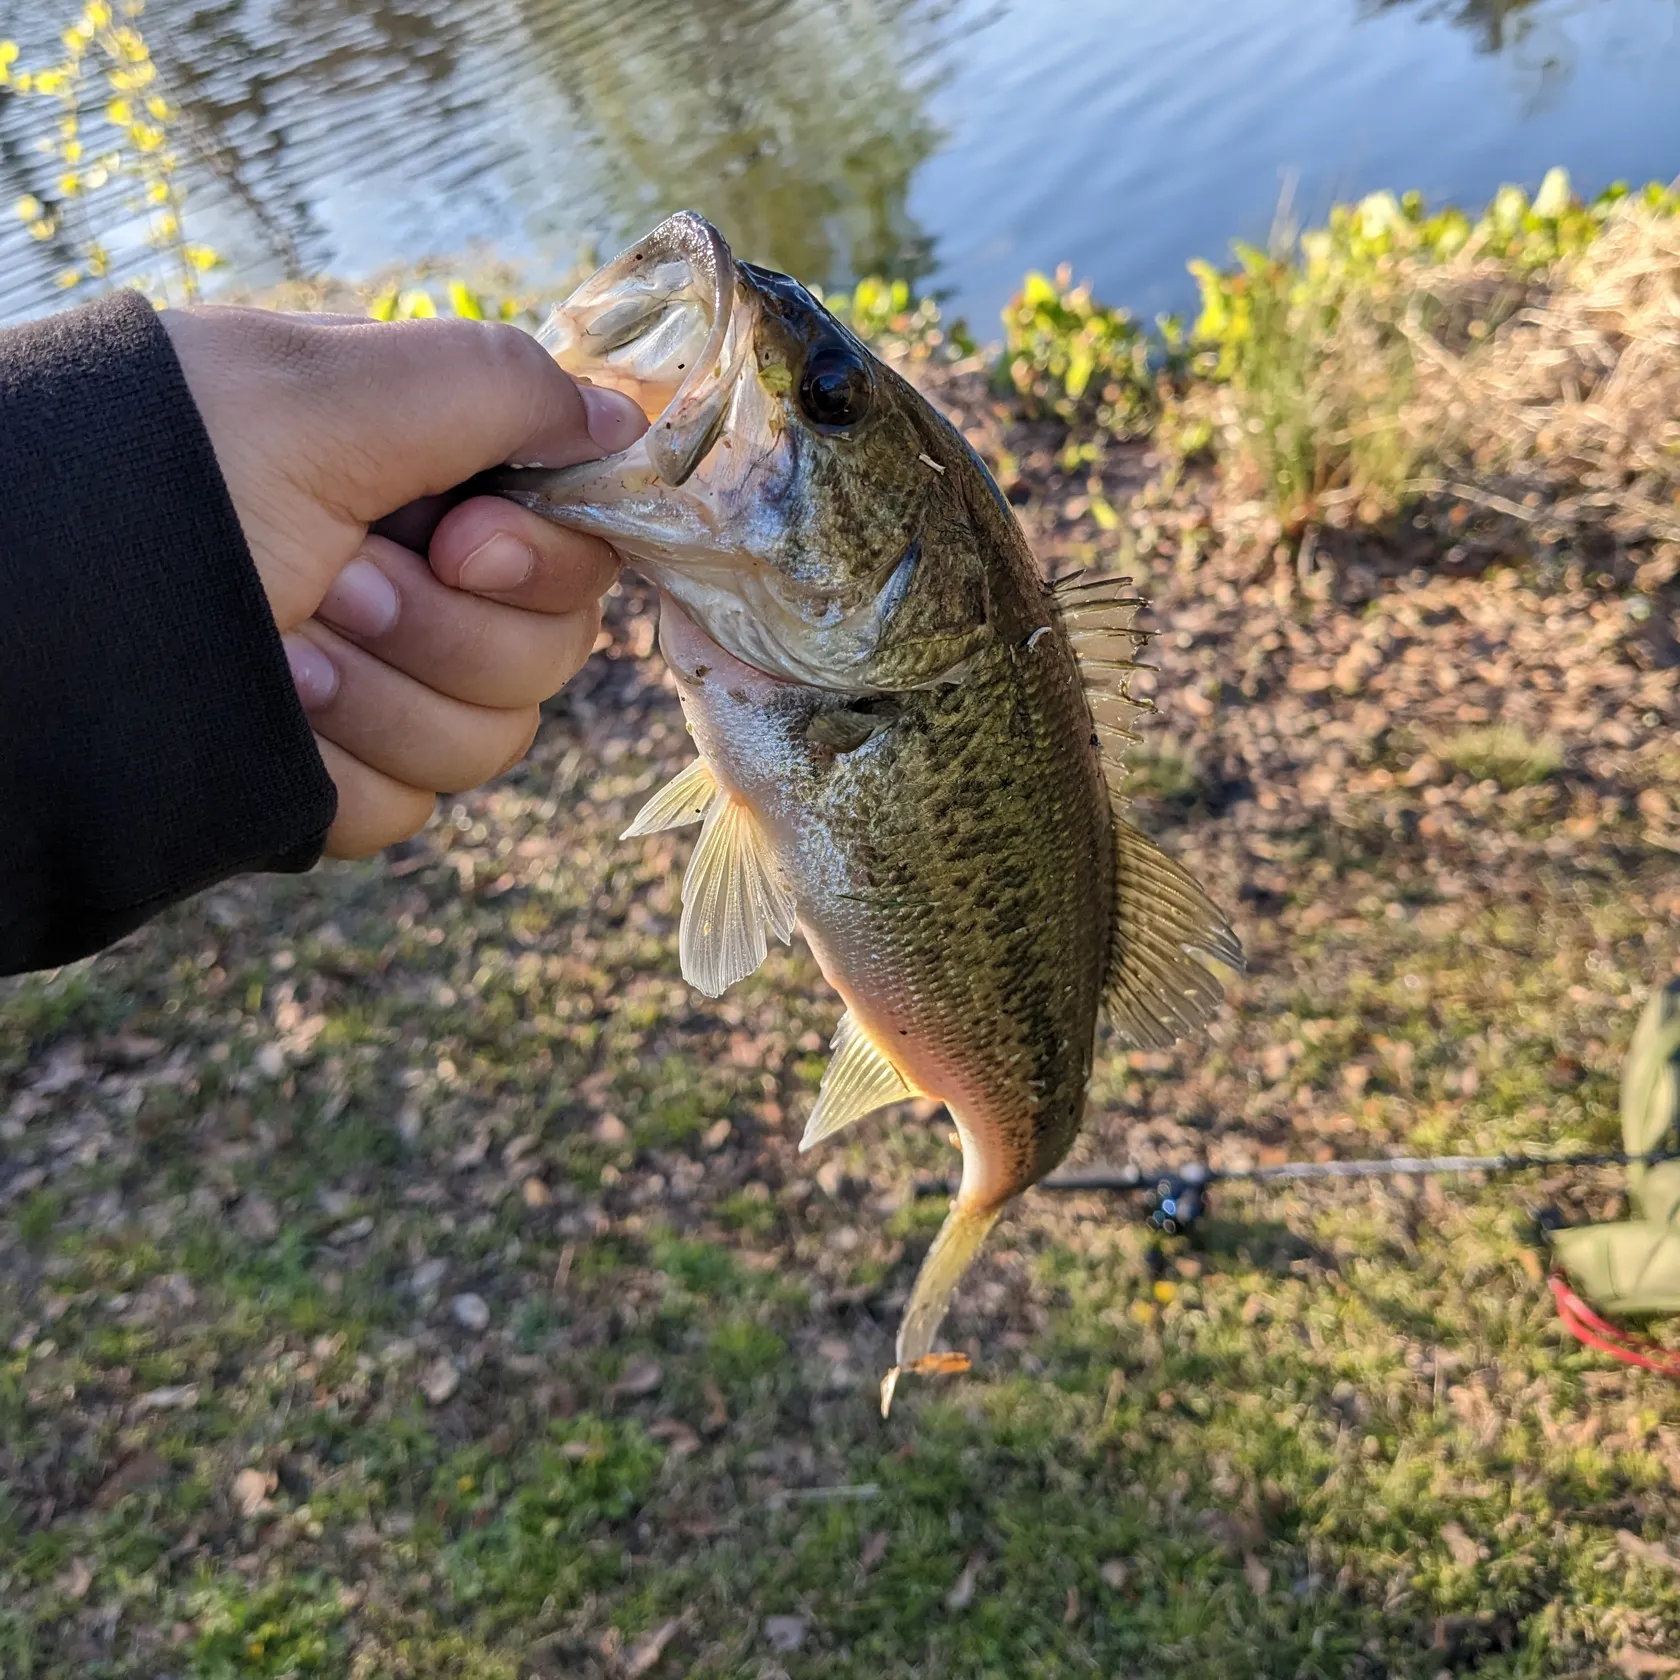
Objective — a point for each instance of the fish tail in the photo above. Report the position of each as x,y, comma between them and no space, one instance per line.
953,1252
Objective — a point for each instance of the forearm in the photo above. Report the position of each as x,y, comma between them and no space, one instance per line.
151,741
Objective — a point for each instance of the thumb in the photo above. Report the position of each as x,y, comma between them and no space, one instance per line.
413,408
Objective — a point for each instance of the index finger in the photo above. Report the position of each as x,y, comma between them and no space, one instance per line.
498,549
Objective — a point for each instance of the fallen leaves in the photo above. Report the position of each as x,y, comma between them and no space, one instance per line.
639,1377
646,1650
1638,1663
440,1380
471,1312
180,1398
1645,1552
961,1594
785,1633
251,1489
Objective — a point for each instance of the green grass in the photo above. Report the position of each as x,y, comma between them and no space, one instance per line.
1502,753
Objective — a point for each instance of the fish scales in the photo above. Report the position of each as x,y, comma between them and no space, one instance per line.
906,738
955,875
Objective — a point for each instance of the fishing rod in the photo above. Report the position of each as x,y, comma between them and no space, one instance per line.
1177,1196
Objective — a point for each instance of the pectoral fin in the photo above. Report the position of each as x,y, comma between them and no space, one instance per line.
734,897
683,799
859,1081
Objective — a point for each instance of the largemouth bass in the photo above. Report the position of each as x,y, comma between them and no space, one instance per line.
908,742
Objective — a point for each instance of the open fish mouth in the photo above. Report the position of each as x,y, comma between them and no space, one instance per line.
655,324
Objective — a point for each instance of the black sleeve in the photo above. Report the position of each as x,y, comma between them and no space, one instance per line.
151,742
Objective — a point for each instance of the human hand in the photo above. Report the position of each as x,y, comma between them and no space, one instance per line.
420,675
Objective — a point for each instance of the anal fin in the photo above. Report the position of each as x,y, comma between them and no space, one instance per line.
734,897
859,1081
683,799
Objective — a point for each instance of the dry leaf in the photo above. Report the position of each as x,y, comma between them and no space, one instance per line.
1636,1663
1645,1551
650,1647
75,1579
940,1365
251,1489
1258,1576
140,1471
471,1312
639,1377
962,1594
677,1435
1466,1553
178,1399
874,1549
785,1633
717,1413
439,1381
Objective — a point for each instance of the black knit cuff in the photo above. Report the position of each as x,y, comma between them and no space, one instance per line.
151,741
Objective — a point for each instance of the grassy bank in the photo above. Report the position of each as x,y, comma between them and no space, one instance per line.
406,1275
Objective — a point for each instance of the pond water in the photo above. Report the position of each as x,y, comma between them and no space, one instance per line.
957,141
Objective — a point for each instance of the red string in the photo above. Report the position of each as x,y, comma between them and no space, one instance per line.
1588,1328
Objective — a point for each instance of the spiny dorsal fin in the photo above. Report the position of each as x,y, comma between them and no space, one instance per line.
734,894
1166,933
1099,617
683,799
859,1081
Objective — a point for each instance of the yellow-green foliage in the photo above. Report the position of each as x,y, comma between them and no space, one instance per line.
1319,346
1502,753
111,151
1069,356
889,316
416,303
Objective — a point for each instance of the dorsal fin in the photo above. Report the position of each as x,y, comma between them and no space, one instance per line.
1099,615
1167,931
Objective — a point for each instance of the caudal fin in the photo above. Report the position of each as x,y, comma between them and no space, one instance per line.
953,1252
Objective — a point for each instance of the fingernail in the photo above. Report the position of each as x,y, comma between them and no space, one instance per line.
362,600
496,566
614,421
313,674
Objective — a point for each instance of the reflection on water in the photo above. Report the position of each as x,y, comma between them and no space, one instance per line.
1493,23
961,140
797,126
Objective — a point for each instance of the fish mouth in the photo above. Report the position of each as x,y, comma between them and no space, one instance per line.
655,324
663,324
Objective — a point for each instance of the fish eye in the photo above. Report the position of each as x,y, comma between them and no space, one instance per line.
836,390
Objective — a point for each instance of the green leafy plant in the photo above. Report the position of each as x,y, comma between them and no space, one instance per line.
1067,355
110,154
886,314
1319,345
